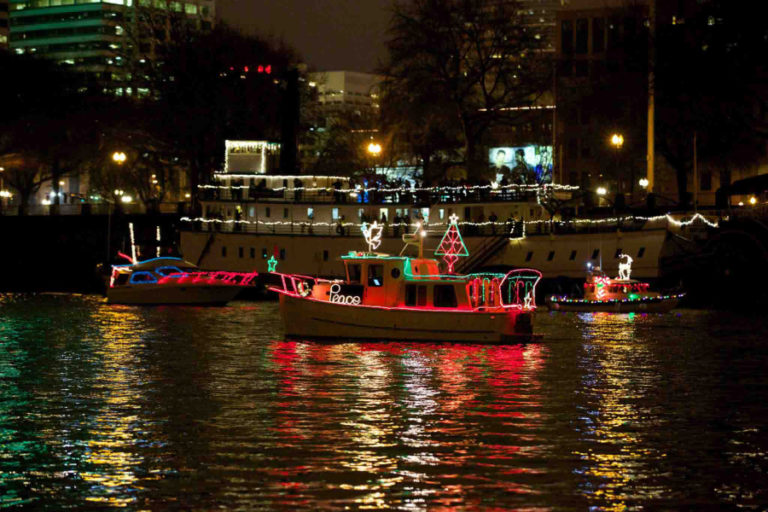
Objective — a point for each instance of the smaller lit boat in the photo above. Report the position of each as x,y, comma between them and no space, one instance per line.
173,281
620,295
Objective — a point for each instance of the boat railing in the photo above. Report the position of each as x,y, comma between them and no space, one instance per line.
224,277
518,288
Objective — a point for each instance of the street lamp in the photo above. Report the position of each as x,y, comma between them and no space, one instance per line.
119,157
374,148
643,182
601,191
617,140
753,200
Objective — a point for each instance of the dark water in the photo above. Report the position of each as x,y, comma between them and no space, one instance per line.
201,409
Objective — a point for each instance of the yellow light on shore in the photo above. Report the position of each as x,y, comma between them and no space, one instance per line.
643,182
119,157
617,140
601,191
374,148
753,200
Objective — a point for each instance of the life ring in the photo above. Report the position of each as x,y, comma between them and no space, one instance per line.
303,288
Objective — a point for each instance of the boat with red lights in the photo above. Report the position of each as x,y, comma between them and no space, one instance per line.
173,281
620,295
387,297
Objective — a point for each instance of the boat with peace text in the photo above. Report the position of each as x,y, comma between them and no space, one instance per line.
396,297
619,295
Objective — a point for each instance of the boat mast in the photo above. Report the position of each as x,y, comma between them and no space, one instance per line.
651,94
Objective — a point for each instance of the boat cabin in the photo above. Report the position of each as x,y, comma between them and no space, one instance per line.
375,279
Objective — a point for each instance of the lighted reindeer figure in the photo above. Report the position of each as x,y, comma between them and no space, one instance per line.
625,267
372,235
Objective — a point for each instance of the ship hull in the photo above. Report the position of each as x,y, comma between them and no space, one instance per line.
655,305
313,319
149,294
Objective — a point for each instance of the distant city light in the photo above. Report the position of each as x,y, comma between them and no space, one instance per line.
644,182
118,157
601,191
753,200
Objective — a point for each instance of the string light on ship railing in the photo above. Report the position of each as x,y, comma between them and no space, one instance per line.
406,189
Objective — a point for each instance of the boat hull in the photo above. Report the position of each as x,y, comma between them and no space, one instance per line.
313,319
149,294
655,305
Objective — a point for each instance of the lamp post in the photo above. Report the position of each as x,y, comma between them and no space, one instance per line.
374,150
617,141
119,158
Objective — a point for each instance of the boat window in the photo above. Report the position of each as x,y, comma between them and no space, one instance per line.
282,254
325,255
142,277
395,273
422,298
264,253
354,273
240,252
166,271
122,279
375,275
445,296
410,295
573,255
641,252
619,252
595,254
253,253
529,256
224,251
551,256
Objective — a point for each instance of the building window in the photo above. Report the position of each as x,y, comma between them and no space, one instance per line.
598,35
566,37
582,35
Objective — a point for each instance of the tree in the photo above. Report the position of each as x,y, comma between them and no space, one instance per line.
47,132
476,57
214,86
710,81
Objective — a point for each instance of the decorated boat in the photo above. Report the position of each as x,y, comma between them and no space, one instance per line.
173,281
619,295
396,297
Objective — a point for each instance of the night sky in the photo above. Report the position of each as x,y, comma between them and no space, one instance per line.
328,34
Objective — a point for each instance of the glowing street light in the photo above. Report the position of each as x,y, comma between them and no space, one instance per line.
374,148
119,157
617,140
643,182
753,200
601,191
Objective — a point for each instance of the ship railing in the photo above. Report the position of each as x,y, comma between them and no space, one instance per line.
350,196
518,289
224,277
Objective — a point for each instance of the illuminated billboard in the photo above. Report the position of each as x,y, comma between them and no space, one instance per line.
522,164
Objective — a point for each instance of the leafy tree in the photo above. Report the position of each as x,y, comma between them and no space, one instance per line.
475,57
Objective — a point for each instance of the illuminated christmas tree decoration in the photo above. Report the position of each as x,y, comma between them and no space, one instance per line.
157,239
133,242
272,263
372,235
452,245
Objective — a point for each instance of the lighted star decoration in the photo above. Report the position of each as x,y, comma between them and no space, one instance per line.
272,263
372,235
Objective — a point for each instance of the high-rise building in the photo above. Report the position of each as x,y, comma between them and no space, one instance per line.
94,36
4,24
349,91
540,16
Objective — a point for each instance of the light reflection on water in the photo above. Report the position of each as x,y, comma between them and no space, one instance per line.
198,408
